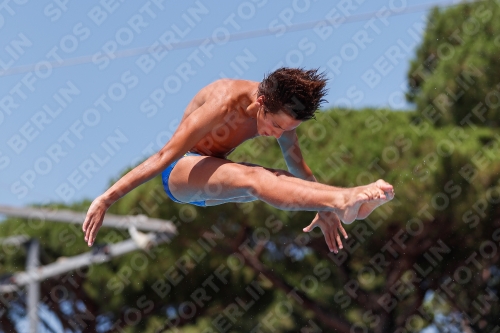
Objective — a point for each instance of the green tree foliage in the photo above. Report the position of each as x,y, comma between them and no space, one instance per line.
451,79
430,253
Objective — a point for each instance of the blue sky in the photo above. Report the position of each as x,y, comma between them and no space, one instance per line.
87,90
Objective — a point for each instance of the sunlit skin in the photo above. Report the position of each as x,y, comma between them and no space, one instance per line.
219,118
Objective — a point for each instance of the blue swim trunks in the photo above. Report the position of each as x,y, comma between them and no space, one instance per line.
165,175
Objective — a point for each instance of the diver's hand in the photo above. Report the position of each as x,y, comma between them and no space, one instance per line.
330,225
93,220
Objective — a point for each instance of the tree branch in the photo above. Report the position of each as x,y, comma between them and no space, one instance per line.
328,319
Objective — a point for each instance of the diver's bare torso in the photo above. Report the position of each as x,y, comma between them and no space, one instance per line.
235,96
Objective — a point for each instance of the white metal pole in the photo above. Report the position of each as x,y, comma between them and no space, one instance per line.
32,263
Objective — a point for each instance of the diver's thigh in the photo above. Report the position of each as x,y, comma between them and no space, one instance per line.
197,178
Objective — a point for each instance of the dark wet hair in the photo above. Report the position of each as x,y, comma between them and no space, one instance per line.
296,91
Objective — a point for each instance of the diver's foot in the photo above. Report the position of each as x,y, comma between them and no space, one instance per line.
368,207
373,194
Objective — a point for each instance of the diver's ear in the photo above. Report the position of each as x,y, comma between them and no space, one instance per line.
261,99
